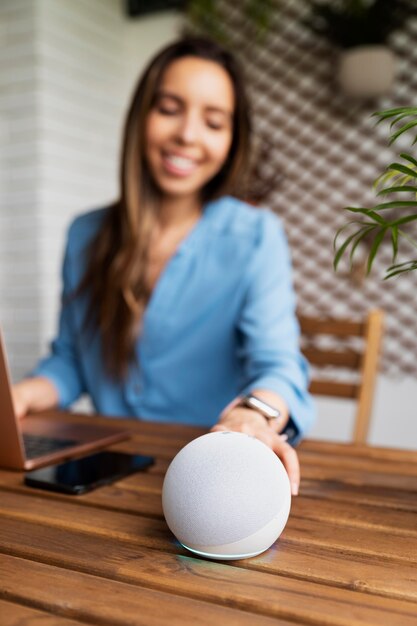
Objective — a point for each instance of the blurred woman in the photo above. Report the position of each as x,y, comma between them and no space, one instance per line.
177,299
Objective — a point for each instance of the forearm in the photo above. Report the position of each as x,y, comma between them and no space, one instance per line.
33,395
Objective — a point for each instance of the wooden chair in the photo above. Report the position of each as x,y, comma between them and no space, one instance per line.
361,359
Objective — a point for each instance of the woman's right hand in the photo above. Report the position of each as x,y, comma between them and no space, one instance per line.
20,403
32,395
250,422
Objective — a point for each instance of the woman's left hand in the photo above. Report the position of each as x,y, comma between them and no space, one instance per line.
244,420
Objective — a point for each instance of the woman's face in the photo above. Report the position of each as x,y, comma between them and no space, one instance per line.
189,129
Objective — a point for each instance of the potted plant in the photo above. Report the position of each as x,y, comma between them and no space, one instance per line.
361,29
395,216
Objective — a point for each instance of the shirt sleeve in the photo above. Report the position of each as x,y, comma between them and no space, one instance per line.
62,365
269,328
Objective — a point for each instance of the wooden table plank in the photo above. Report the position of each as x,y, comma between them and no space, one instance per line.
359,463
107,602
360,515
285,558
380,497
395,520
112,497
352,540
12,614
333,568
141,493
121,539
347,465
361,478
256,593
147,488
351,450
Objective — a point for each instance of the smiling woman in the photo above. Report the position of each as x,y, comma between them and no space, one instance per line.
188,138
177,299
189,129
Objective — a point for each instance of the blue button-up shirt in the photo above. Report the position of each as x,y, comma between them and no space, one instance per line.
220,322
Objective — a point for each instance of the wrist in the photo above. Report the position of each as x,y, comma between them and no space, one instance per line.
268,405
243,419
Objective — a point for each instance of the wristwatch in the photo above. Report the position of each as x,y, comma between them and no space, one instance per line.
253,402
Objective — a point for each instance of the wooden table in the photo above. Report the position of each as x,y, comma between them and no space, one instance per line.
347,556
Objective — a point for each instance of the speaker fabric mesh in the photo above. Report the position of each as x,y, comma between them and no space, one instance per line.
223,487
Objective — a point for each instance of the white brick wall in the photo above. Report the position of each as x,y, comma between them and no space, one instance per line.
20,170
82,91
67,68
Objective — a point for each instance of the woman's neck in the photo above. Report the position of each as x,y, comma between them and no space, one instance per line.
175,220
177,212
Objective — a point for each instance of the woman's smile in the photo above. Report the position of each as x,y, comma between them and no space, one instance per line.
178,165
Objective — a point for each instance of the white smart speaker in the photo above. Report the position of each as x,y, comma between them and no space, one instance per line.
226,495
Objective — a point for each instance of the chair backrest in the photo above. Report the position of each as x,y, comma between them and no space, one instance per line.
349,347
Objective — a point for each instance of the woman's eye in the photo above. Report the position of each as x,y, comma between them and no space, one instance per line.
166,106
167,110
215,125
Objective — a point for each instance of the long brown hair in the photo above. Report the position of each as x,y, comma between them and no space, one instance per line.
115,275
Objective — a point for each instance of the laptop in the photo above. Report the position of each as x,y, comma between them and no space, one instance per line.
36,440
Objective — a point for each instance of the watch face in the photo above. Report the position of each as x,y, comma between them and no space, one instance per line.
262,407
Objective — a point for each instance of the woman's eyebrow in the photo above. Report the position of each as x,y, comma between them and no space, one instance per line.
214,109
171,96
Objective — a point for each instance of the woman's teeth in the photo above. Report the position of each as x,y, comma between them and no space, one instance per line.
180,162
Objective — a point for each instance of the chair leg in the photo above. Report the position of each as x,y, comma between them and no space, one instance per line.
373,336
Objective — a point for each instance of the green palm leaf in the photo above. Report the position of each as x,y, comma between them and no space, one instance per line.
394,241
404,220
401,131
368,213
358,235
386,176
395,204
398,189
408,157
398,167
384,115
374,248
395,270
398,119
362,236
398,178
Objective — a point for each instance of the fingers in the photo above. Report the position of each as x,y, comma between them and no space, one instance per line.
19,405
278,443
286,453
218,428
289,458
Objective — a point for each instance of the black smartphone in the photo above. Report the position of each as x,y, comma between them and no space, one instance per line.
84,474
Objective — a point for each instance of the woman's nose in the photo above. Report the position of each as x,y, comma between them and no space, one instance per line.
188,128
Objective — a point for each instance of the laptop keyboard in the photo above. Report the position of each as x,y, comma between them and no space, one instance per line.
36,445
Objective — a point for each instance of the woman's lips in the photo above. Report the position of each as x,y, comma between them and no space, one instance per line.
179,165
